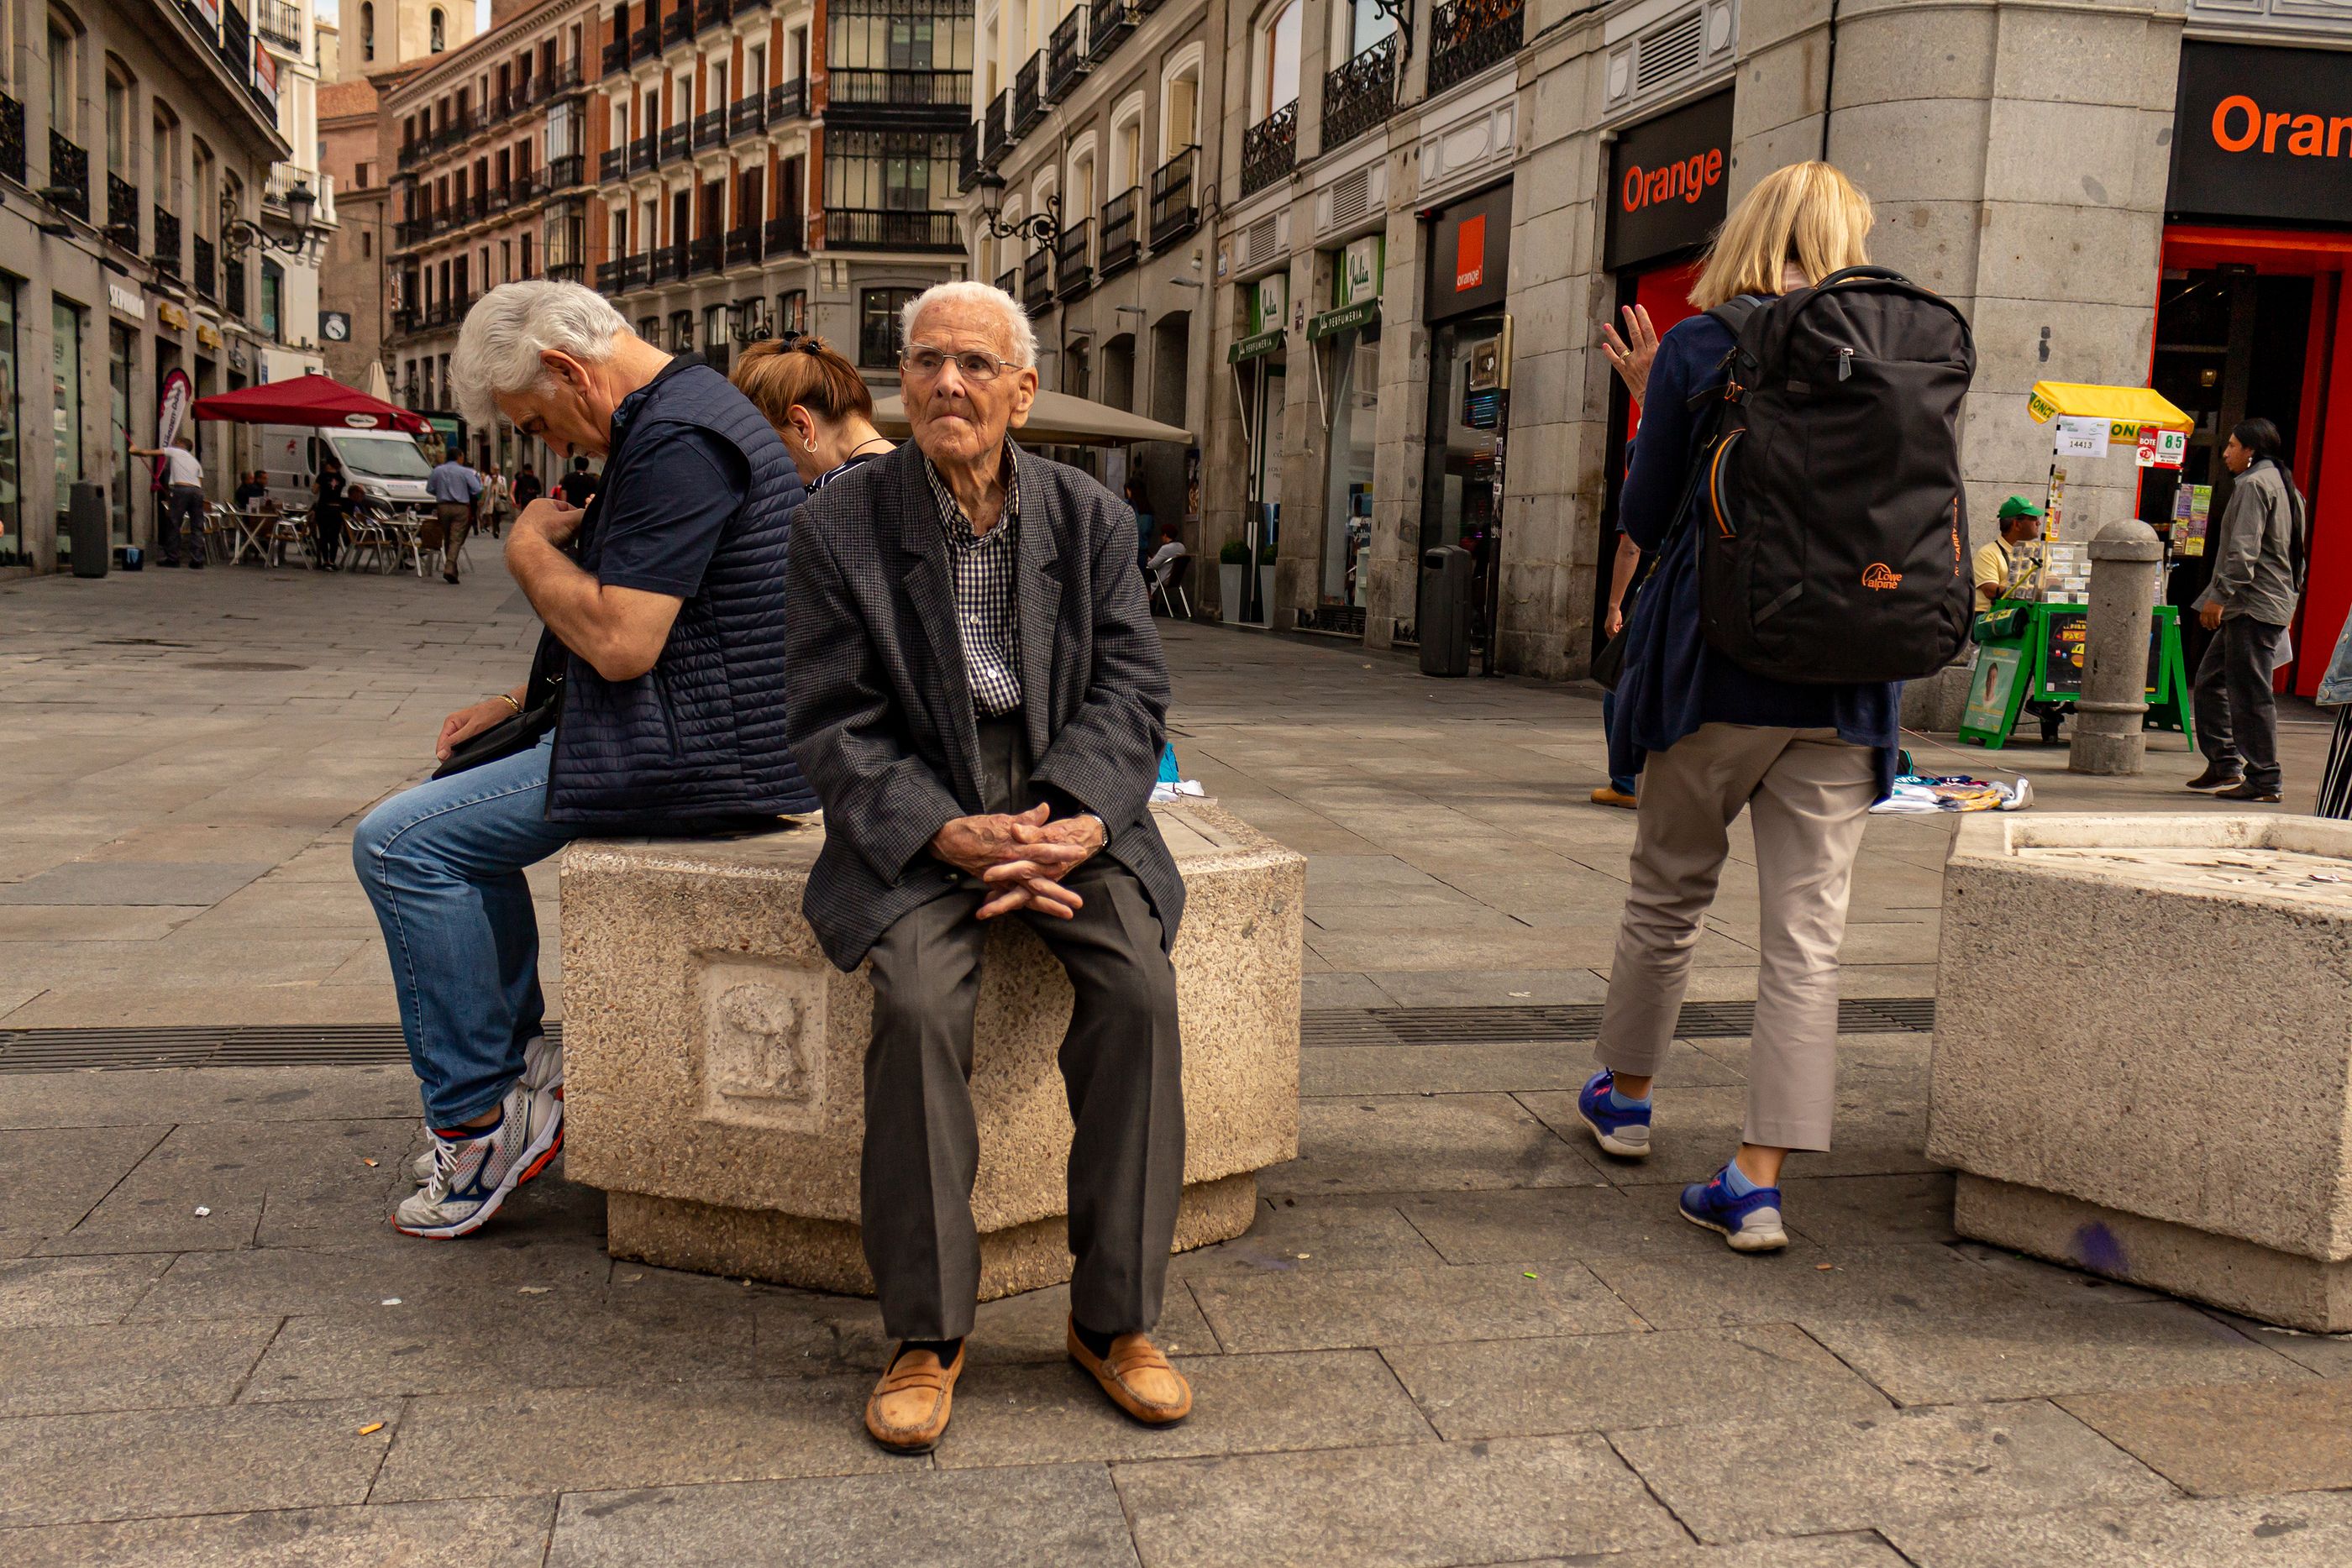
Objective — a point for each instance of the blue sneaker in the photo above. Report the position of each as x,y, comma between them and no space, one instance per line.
1625,1133
1751,1223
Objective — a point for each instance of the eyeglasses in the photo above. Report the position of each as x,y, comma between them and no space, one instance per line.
972,364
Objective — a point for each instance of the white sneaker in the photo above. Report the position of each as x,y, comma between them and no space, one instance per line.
543,1068
471,1177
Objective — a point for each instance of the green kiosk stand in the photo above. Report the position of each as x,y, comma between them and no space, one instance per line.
2031,653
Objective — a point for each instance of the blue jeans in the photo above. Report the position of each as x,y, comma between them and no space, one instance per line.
442,865
1624,786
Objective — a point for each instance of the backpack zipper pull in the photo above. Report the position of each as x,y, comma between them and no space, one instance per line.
1845,363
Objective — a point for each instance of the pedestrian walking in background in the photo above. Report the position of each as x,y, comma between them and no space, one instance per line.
2335,692
817,403
579,487
182,528
498,500
455,488
1710,738
525,488
2247,605
329,507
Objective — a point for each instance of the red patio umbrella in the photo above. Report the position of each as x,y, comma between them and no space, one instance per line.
310,400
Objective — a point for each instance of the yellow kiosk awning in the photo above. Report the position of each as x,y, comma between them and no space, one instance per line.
2118,405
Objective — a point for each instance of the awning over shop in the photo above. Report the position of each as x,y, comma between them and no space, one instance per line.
1347,317
1056,419
2118,406
309,400
1257,345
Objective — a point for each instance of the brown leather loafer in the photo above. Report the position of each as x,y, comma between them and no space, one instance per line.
1138,1378
907,1411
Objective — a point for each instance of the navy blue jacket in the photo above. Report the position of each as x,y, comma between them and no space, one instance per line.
701,736
1673,682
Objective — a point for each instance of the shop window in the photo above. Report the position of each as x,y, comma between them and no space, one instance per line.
64,394
791,312
12,492
877,326
273,302
1352,387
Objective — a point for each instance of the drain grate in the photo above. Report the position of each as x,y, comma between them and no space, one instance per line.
1577,1021
234,1045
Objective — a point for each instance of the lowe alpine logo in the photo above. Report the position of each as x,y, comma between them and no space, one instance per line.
1879,575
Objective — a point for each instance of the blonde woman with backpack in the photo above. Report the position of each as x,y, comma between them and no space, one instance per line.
1711,738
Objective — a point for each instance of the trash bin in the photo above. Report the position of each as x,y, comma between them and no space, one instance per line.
1447,583
86,525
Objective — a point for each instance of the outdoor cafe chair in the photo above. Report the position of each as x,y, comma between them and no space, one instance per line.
1168,584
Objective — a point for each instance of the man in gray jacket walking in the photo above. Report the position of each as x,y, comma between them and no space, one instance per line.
2247,605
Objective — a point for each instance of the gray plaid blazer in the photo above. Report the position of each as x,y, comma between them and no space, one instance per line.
879,708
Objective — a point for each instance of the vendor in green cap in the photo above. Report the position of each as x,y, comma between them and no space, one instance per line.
2020,519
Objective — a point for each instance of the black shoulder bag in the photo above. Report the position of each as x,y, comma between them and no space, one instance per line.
520,731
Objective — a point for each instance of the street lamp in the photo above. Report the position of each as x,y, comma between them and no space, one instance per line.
1037,228
240,233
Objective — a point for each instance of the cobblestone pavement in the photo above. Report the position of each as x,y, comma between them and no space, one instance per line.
1457,1335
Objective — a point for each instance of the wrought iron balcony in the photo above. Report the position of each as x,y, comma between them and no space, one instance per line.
679,26
742,244
1119,246
669,264
788,100
121,211
202,282
279,23
874,228
612,164
744,6
646,42
1066,55
620,275
968,156
1175,201
864,94
673,140
616,57
1036,290
1269,149
1028,107
1466,36
642,155
993,140
169,255
709,13
746,115
568,272
12,137
566,77
561,174
702,255
1074,273
785,234
68,176
710,129
1361,94
1107,26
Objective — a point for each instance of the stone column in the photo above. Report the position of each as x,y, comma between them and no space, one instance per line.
2110,717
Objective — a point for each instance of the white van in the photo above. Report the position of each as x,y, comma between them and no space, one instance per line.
386,464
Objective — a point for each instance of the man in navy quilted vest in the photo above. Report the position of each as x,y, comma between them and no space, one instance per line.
655,704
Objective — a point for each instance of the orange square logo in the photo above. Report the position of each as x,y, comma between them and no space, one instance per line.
1470,253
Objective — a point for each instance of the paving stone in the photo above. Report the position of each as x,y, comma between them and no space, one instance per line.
2050,1282
496,1533
1348,1070
1742,1479
2235,1437
430,1279
1294,1233
1868,1550
1488,988
1878,1132
631,1435
67,1469
2330,1355
1064,1515
1424,1503
52,1176
1406,1306
1622,1381
512,1342
2088,1349
1048,1413
206,1094
807,1334
1727,1287
43,1292
2310,1531
1540,1225
127,1366
135,882
1870,1210
1448,1141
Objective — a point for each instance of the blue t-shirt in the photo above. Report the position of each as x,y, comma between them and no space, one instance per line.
658,526
1673,681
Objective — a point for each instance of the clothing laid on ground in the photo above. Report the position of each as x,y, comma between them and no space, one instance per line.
1807,792
2234,704
1673,682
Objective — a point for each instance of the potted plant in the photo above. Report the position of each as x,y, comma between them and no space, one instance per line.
1231,561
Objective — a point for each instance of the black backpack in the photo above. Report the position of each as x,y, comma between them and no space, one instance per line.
1829,503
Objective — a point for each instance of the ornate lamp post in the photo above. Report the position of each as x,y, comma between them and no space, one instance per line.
240,234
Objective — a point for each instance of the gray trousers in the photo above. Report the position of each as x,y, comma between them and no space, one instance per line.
1121,1068
2236,708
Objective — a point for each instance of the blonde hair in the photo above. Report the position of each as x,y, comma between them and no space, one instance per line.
1808,214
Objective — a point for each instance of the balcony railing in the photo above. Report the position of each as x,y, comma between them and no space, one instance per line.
788,100
1028,107
679,26
612,163
1361,94
968,156
121,211
871,93
1119,248
279,23
642,155
669,264
68,176
561,174
674,142
646,42
742,246
1066,55
169,255
1036,291
1175,206
993,140
1108,25
12,137
620,275
746,115
568,272
710,129
709,13
873,228
202,282
742,7
1074,273
1466,36
1270,148
616,57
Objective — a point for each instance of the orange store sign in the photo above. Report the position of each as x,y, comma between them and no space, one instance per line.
2262,132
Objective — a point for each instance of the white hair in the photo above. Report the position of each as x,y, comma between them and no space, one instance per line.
988,296
498,347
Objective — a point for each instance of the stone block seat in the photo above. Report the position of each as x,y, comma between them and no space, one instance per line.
2143,1056
714,1060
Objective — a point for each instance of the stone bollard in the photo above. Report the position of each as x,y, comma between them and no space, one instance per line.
2110,717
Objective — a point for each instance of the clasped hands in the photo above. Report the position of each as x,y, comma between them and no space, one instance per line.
1021,857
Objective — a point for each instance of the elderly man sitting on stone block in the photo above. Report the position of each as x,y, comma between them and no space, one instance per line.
977,694
655,704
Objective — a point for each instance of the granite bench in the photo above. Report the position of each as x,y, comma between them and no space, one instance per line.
714,1060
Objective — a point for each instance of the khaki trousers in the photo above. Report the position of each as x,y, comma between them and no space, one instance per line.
1807,794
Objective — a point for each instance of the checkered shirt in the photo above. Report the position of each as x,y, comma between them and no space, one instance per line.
988,614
